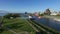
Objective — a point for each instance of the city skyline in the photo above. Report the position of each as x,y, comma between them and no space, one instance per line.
29,5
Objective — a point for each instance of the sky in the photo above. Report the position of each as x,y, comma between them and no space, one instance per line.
20,6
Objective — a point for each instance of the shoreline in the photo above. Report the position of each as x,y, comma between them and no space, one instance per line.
56,19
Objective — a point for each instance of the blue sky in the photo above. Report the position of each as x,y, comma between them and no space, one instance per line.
29,5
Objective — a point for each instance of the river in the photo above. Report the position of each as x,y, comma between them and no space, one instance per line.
49,22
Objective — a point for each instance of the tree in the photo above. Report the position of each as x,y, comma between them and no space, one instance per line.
1,24
39,13
47,12
12,15
25,12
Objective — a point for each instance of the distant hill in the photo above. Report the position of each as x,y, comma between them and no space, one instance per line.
2,12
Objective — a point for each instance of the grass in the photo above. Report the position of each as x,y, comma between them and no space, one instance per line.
17,25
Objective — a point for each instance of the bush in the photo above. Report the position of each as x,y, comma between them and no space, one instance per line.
41,14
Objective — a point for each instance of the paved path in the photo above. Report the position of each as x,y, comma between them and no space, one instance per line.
12,31
16,32
33,26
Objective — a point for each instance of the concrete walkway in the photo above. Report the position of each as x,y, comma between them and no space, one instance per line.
33,26
12,31
25,32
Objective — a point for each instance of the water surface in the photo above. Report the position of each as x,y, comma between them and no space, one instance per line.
49,22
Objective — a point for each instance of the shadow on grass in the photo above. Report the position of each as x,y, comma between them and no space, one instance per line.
2,29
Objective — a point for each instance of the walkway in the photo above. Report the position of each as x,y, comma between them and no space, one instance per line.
32,26
12,31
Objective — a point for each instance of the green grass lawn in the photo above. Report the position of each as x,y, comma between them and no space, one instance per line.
17,25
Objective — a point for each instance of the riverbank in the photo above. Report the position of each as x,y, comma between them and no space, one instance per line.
56,18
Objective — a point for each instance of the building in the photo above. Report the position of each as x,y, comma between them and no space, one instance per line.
30,17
